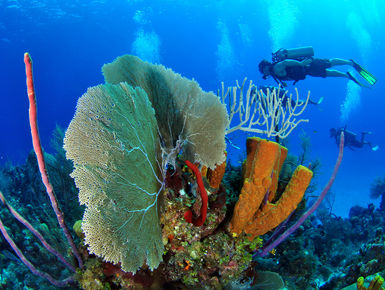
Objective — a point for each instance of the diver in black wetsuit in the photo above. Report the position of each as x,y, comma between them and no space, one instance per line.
351,140
290,65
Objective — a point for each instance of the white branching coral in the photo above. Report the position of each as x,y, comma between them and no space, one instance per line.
271,113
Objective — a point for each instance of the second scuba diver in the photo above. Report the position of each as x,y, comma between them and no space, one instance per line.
351,140
295,64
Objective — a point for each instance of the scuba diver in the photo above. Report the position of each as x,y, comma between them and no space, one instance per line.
297,63
351,140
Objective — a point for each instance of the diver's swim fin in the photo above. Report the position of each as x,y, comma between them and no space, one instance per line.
364,73
375,148
316,102
352,78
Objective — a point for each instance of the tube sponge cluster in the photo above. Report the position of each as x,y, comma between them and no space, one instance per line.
255,213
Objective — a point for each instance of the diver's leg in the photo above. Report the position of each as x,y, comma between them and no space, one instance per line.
363,142
336,73
357,144
348,75
374,148
363,72
363,137
340,61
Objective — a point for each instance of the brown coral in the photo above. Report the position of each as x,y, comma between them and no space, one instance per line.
214,176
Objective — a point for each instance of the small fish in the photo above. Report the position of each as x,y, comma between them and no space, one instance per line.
231,143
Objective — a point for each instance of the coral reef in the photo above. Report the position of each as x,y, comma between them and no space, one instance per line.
318,255
331,252
163,207
24,189
207,255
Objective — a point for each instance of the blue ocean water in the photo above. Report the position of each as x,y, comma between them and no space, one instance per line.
210,41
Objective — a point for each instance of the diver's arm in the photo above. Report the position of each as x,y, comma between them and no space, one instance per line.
291,62
307,61
280,68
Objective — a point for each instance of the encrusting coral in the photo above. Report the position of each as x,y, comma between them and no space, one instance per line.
375,284
254,214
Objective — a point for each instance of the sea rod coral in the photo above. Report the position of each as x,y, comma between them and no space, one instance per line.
50,191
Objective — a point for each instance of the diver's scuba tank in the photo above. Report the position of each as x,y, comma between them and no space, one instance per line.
299,53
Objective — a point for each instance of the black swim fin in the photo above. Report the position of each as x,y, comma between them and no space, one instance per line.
352,78
364,73
316,102
375,148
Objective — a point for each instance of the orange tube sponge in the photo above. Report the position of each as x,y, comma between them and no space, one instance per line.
261,157
277,169
264,162
271,215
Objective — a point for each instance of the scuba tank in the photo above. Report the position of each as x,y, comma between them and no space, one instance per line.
299,53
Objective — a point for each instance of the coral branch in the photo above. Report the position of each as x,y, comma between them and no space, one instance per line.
189,215
36,233
40,157
267,248
58,283
262,113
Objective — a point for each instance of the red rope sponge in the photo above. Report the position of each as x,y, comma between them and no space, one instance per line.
188,216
